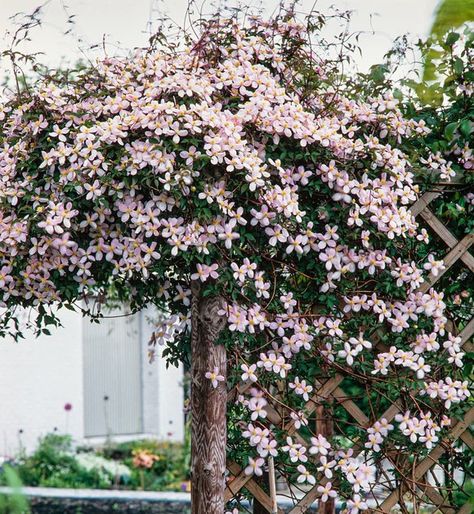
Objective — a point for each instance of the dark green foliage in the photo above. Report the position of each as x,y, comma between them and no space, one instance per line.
54,464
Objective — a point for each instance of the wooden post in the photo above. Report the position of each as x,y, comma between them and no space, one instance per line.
325,427
267,481
272,480
258,508
208,405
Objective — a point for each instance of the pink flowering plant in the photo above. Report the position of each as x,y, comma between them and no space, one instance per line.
444,103
240,161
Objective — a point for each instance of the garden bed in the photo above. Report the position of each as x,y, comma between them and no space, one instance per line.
143,465
90,501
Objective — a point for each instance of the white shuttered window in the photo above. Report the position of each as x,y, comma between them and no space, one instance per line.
113,375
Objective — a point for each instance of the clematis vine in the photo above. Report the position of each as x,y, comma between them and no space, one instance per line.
212,163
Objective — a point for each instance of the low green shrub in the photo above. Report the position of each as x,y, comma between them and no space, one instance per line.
56,463
168,471
53,464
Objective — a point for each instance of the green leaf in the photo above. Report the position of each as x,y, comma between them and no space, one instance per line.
450,130
377,72
450,14
452,38
458,66
398,94
466,128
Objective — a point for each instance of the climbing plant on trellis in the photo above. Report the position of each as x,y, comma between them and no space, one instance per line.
415,473
258,197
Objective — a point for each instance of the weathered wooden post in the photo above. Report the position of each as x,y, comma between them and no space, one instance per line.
325,427
208,405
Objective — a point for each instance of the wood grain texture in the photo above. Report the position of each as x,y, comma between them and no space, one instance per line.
431,459
437,499
424,201
251,485
272,484
446,236
208,405
237,480
325,427
449,260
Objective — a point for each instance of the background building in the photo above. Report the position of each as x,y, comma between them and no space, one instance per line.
93,381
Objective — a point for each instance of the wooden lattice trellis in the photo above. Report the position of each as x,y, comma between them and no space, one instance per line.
330,389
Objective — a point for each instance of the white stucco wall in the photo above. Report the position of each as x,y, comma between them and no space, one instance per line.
170,401
37,378
163,395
